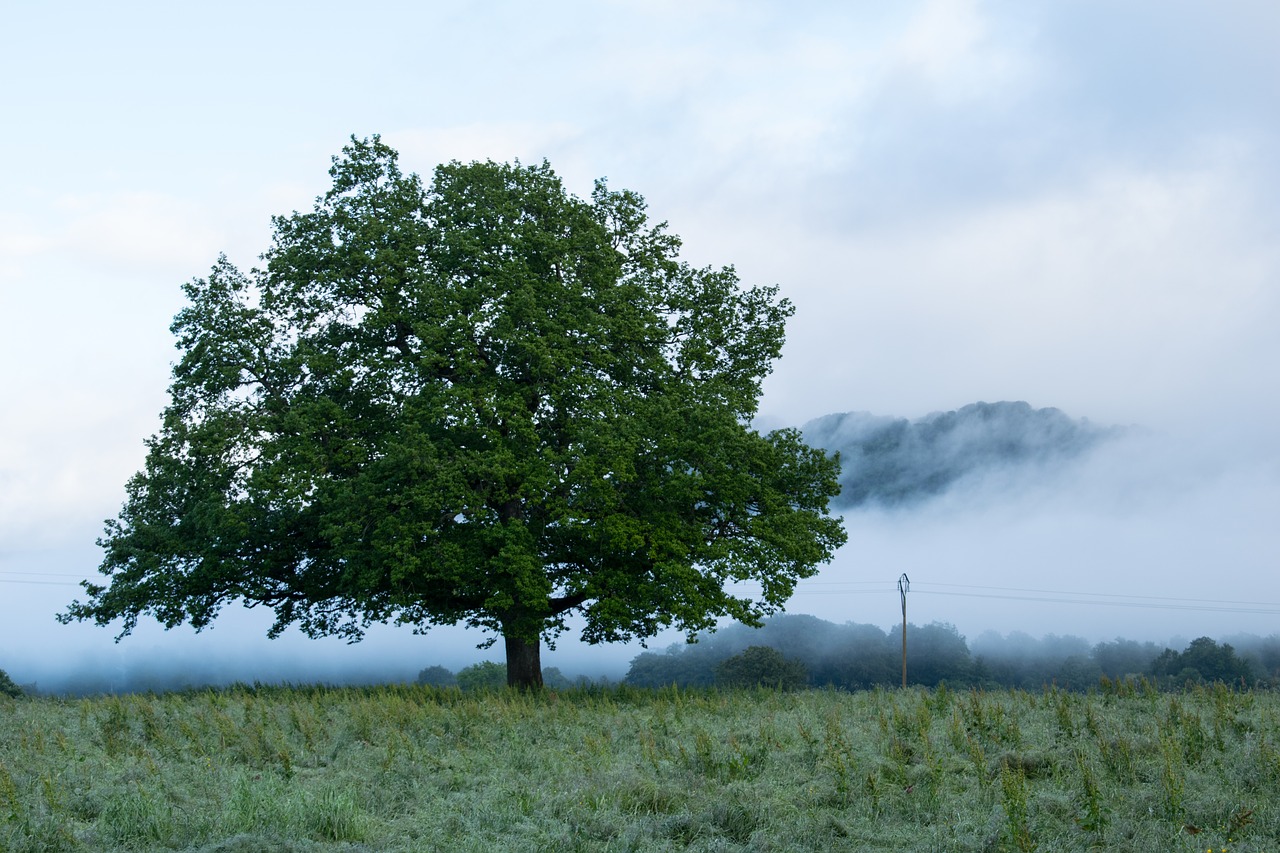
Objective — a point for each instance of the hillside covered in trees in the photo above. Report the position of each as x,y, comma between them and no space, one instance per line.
894,461
856,656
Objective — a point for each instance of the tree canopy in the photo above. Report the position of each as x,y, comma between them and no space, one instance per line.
481,401
1203,660
762,666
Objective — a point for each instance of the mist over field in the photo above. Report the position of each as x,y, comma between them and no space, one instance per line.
1152,532
1007,519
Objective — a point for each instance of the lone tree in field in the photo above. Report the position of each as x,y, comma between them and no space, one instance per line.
483,401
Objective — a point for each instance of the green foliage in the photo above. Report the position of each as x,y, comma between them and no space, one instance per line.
437,676
552,677
480,401
1203,660
7,687
1122,658
1013,785
486,675
761,666
935,653
1094,809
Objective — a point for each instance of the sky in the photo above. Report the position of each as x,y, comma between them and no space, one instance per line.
1069,204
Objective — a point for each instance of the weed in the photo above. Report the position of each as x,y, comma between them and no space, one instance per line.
1066,722
875,793
12,808
1117,758
113,726
335,816
1094,817
1013,787
1172,778
978,758
138,818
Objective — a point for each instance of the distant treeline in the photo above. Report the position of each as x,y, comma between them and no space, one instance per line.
796,651
816,653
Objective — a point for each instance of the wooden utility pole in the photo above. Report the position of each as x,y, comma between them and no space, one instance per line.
904,584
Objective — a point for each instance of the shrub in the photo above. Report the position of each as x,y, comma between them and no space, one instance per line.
555,679
438,676
486,675
762,666
7,687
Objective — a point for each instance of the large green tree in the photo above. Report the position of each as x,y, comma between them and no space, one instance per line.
482,401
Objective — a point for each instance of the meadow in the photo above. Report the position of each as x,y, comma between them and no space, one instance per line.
412,768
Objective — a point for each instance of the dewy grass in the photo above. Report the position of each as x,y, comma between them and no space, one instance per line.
410,768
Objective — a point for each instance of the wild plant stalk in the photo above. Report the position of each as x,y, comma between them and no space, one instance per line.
1094,816
1172,778
1013,787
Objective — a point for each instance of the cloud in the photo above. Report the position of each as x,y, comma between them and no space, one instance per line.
64,463
948,46
138,231
501,141
1127,298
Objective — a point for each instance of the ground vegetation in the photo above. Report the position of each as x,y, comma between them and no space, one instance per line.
413,767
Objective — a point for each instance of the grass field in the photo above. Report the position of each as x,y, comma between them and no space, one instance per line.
415,768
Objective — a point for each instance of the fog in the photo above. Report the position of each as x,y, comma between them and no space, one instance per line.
1150,535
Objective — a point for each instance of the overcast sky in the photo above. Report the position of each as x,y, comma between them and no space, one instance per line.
1072,204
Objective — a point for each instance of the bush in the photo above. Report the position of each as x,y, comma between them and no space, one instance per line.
486,675
762,666
555,679
7,687
438,676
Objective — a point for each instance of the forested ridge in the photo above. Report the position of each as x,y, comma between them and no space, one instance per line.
891,461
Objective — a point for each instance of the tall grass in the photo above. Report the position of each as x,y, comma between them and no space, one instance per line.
422,768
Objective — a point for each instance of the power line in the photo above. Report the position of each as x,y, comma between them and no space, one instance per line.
1271,609
1049,596
1103,595
40,574
39,578
887,586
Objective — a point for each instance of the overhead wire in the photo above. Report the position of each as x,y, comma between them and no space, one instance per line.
27,578
827,588
1049,596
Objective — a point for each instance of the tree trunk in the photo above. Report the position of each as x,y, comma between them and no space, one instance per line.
524,663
